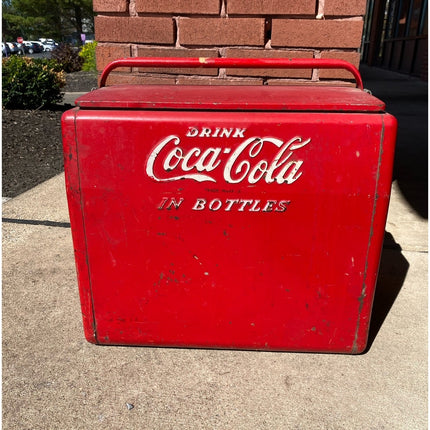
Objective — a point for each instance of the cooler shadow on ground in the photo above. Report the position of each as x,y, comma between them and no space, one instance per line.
392,274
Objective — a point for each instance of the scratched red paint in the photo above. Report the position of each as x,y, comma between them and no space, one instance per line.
228,217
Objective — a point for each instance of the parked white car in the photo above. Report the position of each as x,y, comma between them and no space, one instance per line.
49,44
47,47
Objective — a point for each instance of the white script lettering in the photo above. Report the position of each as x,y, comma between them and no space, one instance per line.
169,161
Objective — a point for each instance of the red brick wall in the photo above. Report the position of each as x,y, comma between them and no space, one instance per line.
228,28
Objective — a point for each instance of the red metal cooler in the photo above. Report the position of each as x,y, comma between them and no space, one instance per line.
228,217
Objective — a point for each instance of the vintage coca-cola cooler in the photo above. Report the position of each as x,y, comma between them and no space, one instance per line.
228,216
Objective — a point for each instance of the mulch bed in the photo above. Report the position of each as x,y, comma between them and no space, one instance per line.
32,146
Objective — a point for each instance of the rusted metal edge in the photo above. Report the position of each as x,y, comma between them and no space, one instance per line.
362,296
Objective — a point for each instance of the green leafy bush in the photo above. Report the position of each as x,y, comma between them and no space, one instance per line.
31,83
68,57
88,53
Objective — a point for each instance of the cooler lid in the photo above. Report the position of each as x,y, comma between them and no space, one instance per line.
232,98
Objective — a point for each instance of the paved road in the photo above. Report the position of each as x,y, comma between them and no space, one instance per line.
40,55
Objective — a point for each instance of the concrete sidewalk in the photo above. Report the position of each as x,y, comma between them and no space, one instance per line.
54,379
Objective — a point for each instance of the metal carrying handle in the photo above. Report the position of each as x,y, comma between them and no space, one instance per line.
243,63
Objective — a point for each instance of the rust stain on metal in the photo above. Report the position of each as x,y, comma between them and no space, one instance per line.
362,296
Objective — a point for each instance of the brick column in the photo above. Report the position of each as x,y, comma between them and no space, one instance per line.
228,28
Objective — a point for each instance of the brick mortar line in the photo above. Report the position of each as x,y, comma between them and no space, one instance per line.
182,75
134,14
134,50
223,11
320,12
316,72
176,20
132,8
238,47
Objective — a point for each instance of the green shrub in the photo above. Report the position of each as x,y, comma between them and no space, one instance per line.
88,53
68,57
31,83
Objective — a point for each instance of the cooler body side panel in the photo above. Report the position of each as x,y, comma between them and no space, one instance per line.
233,230
379,217
74,200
